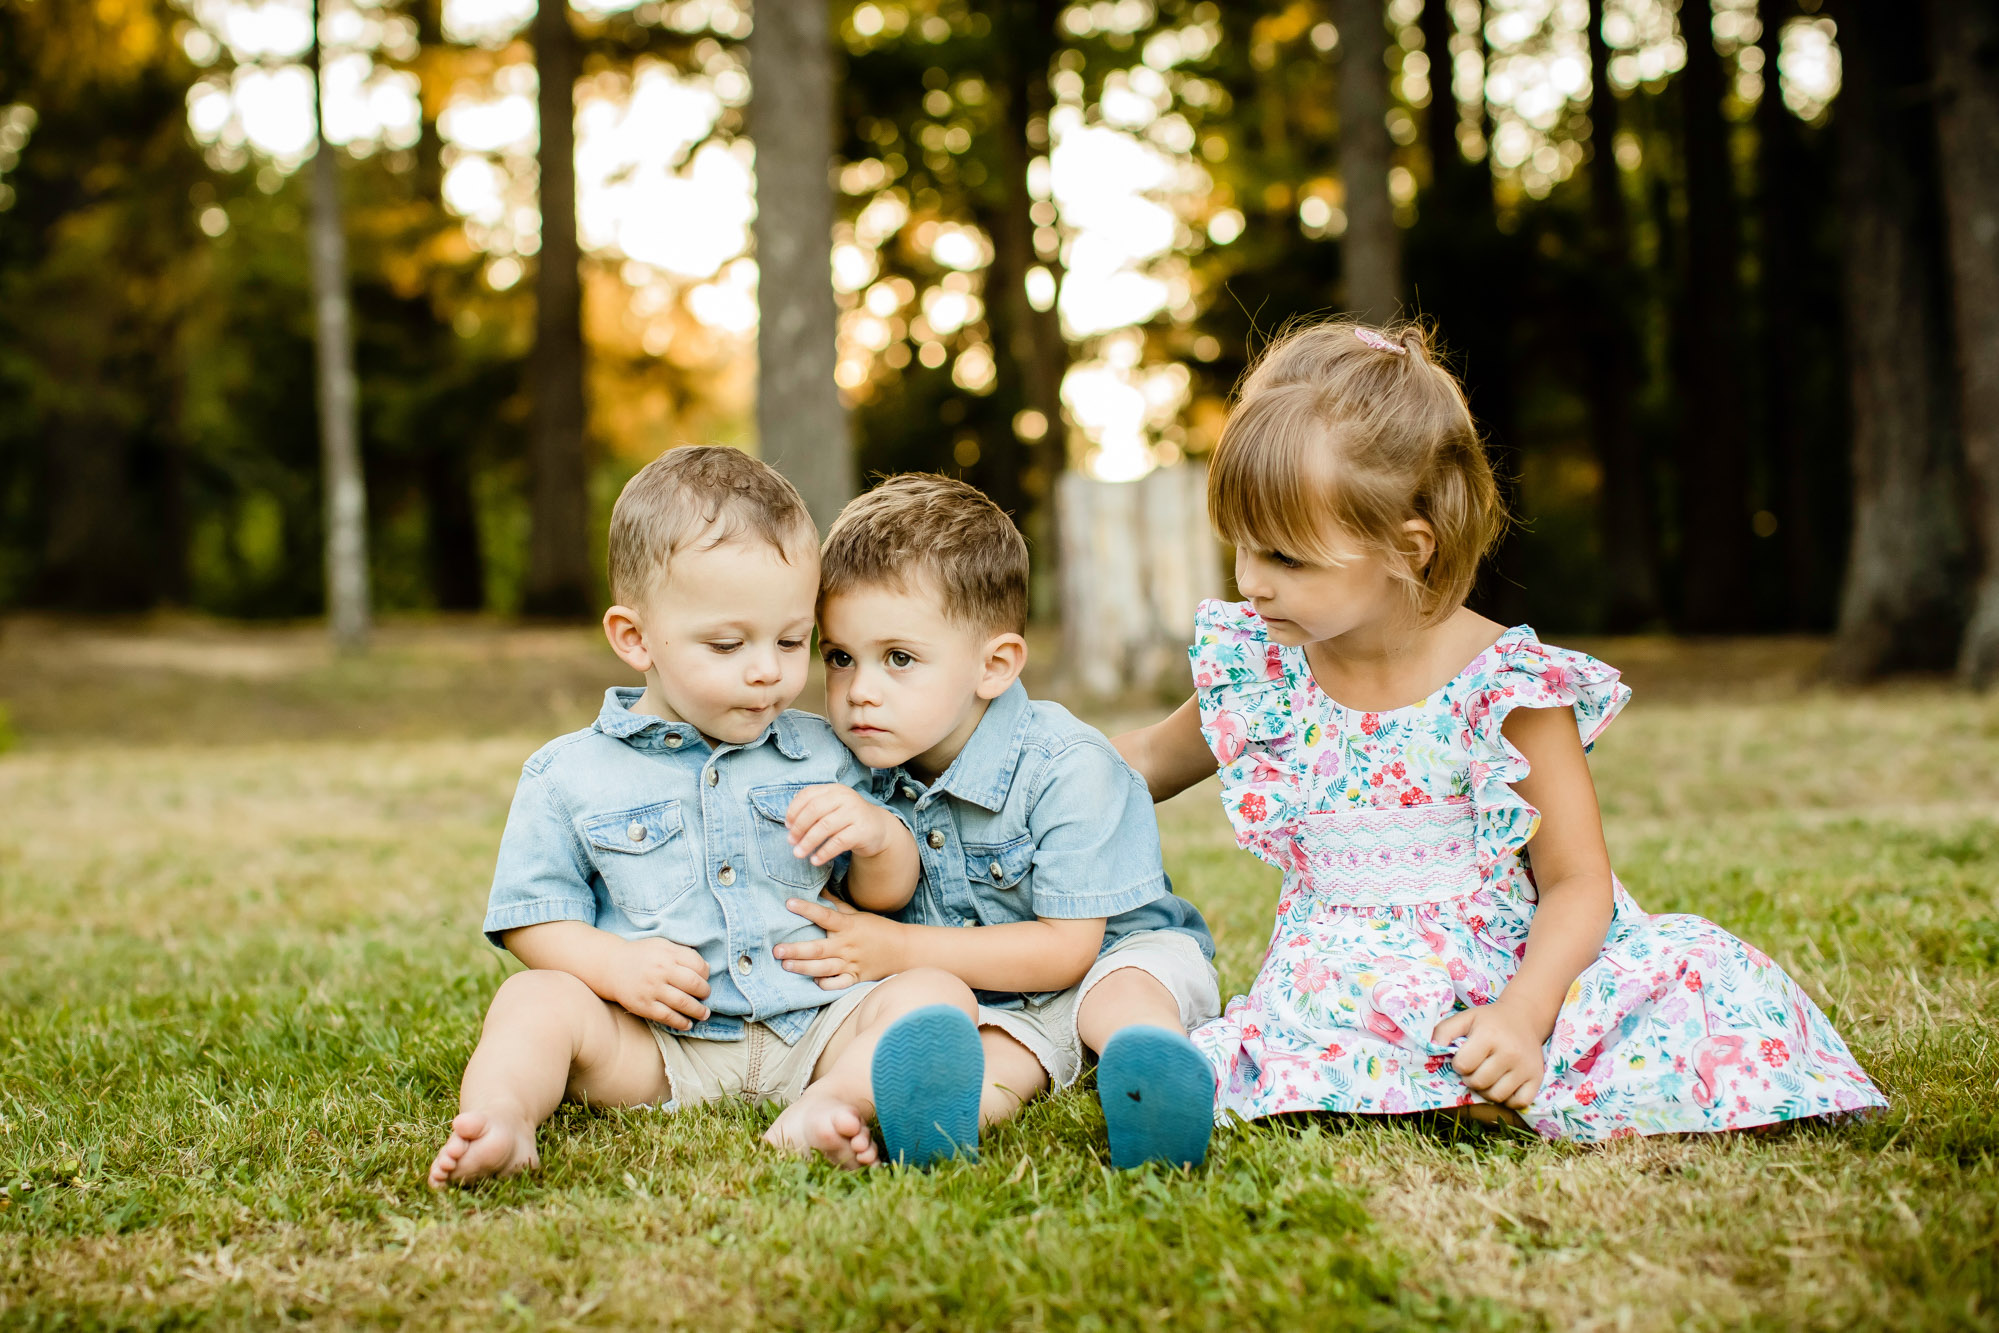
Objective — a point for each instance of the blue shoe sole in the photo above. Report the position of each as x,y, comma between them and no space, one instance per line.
1158,1095
928,1072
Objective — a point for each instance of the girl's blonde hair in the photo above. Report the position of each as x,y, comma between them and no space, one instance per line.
1342,429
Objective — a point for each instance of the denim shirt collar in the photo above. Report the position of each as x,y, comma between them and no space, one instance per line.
616,719
983,771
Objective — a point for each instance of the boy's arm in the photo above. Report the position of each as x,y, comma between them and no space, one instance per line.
832,818
1040,955
652,978
543,907
1170,755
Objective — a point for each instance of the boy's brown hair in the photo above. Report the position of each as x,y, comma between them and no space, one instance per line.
1344,429
678,496
918,524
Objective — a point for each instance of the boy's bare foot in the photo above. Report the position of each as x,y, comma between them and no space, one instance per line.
481,1146
827,1126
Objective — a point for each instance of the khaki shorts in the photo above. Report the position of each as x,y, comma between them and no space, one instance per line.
1048,1028
759,1068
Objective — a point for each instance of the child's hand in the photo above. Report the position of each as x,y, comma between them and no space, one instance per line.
1501,1057
859,946
660,980
829,819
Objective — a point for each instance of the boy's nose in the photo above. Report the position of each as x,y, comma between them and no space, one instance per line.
765,669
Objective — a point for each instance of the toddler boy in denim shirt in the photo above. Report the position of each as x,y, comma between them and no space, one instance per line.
647,860
1042,883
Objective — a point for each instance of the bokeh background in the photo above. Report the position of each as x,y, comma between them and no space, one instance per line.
1714,273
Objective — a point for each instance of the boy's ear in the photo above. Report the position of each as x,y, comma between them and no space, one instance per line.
627,636
1006,655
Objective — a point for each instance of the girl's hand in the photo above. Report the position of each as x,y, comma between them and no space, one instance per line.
1501,1057
859,946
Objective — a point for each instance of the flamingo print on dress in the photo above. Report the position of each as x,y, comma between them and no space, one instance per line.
1402,842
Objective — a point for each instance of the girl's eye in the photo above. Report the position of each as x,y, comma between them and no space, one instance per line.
837,660
1285,560
898,658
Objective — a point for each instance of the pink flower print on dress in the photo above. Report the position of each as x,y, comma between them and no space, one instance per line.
1711,1056
1231,737
1311,975
1254,808
1273,662
1327,764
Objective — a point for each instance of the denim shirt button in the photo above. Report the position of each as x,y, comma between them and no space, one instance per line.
994,868
936,838
726,876
743,965
637,833
909,792
673,740
714,776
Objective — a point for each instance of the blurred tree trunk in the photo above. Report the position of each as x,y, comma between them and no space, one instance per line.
558,573
1371,251
1625,521
1714,438
1466,274
346,497
1784,226
801,422
1964,38
1033,343
455,562
1900,607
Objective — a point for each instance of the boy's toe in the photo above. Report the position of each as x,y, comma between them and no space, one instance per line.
1158,1095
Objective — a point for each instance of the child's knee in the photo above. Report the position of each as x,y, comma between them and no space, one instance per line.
931,985
542,992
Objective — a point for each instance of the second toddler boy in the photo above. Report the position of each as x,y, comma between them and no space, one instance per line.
1042,884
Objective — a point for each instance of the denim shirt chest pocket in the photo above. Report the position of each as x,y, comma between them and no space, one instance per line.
773,842
643,857
1000,874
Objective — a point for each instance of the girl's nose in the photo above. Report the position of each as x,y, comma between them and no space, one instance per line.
1249,579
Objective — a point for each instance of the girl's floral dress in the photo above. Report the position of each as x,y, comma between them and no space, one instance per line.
1406,898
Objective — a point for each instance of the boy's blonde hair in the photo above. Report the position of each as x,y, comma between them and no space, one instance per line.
1342,429
678,496
918,524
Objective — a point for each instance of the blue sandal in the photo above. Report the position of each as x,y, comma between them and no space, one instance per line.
929,1070
1158,1095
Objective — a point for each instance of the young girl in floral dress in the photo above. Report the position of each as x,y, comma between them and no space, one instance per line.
1449,933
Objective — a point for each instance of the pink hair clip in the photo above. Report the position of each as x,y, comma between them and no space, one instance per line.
1379,343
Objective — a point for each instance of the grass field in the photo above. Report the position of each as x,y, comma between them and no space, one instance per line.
240,971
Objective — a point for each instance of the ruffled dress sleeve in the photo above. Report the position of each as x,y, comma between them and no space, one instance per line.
1247,690
1522,672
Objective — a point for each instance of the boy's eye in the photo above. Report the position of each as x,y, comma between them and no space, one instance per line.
898,658
791,645
726,645
837,660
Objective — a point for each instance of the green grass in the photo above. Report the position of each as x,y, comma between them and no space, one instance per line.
240,972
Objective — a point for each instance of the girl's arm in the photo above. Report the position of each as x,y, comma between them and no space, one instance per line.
1169,755
1501,1057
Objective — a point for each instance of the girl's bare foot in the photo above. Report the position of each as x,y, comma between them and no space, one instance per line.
827,1126
481,1146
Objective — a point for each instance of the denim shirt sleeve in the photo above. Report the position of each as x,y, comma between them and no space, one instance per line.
1096,840
542,873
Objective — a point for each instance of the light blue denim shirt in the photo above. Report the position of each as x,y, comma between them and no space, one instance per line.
638,827
1039,816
